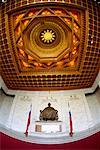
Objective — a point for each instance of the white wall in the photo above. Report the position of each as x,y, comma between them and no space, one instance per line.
94,106
81,116
5,107
85,110
19,113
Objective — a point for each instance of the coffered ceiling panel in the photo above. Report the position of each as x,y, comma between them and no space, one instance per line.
49,46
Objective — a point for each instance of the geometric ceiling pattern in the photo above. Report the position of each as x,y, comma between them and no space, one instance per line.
49,46
48,39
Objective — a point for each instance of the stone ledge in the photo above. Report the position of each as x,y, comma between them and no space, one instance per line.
47,138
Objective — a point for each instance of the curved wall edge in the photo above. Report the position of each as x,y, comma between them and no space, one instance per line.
64,138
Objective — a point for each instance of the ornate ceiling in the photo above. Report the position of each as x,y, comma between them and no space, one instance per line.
48,39
49,46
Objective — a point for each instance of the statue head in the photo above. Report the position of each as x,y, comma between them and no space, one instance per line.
49,104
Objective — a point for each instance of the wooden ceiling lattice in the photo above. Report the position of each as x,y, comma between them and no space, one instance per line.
37,55
83,74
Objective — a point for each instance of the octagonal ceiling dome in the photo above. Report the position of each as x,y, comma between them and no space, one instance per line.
47,38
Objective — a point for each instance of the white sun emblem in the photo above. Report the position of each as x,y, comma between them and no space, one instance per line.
47,36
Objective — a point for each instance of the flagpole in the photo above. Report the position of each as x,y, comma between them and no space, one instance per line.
70,121
28,121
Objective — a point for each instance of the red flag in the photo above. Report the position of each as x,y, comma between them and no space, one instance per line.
28,121
71,124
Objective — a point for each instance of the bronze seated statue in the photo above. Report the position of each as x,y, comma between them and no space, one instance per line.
49,113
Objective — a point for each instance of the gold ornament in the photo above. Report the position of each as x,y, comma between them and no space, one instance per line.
48,36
